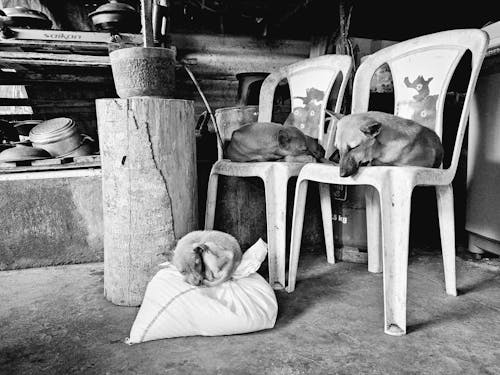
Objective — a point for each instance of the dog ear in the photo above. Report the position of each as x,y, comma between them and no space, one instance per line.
314,148
284,138
335,156
371,129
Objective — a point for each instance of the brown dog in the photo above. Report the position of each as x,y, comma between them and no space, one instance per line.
378,138
268,141
207,257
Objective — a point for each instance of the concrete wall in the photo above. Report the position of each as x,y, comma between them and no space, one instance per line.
50,221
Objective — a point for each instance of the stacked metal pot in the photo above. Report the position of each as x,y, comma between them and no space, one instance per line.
55,138
24,17
61,138
116,16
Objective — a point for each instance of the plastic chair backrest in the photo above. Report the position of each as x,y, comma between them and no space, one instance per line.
230,119
421,71
310,82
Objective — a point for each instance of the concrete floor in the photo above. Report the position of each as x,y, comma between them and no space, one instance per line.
56,321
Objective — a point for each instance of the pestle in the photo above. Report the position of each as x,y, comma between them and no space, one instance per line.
147,22
146,70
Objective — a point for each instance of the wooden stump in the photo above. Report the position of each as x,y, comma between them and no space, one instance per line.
149,188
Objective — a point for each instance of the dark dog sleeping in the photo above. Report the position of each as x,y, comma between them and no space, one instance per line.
268,141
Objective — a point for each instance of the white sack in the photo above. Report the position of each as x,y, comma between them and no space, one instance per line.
174,308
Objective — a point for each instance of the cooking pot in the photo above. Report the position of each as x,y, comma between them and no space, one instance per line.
85,149
116,16
22,152
59,136
25,18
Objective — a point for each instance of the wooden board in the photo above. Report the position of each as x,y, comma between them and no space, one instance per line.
60,41
90,161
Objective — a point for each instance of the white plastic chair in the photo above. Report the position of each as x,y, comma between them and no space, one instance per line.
310,82
411,62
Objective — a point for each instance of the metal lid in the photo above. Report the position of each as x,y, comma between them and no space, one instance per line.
22,152
24,17
53,130
26,122
114,7
24,12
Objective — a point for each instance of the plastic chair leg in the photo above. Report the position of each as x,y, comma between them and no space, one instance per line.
446,214
326,214
395,205
211,200
296,236
374,231
275,184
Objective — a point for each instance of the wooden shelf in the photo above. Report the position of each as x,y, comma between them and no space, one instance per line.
79,162
60,41
50,56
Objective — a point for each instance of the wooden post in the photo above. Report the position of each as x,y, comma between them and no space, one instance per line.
149,188
147,24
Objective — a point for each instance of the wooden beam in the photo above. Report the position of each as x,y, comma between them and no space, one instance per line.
92,38
53,171
15,102
37,58
32,78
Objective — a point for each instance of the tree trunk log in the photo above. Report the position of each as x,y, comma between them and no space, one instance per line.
149,188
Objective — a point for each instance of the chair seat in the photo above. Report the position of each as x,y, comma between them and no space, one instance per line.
226,167
376,175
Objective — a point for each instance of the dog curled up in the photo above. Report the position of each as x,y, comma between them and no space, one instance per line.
268,141
378,138
207,257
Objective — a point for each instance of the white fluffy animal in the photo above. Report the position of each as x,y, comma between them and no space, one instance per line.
207,257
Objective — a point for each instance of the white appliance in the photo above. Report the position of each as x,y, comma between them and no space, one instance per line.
483,157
